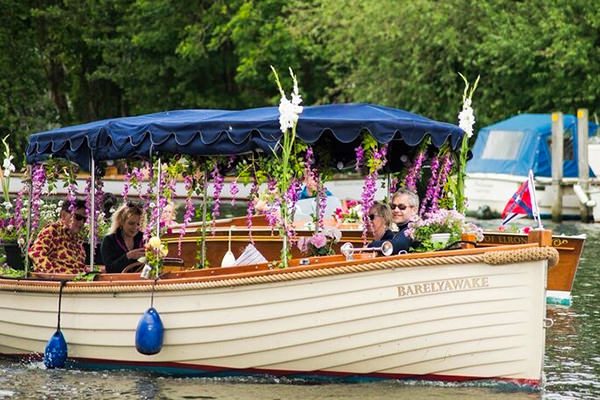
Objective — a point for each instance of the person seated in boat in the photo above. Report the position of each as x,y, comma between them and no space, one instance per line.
311,187
109,203
167,218
58,248
405,206
381,224
124,244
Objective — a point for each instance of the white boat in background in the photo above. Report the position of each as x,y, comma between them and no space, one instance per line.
495,189
452,316
504,153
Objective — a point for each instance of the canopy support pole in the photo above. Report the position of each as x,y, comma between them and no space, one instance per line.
204,212
28,231
92,209
158,183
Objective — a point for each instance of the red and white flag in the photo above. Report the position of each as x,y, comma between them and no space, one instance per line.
522,203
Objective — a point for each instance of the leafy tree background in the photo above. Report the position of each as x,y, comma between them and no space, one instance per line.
67,61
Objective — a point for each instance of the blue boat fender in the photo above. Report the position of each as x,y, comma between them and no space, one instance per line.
149,333
55,354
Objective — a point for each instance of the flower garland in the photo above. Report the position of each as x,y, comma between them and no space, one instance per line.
250,211
99,184
218,180
431,185
38,179
233,191
188,182
376,160
149,206
441,181
126,184
415,171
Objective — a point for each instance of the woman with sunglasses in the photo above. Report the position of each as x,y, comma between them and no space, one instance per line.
380,217
125,243
58,248
382,221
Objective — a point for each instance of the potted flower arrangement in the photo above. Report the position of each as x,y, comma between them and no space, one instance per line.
12,223
321,243
353,215
439,228
156,251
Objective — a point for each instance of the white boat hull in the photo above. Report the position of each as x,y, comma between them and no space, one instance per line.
473,321
495,190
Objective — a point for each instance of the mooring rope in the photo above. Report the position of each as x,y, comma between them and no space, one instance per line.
498,257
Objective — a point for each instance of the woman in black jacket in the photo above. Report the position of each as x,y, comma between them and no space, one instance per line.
125,244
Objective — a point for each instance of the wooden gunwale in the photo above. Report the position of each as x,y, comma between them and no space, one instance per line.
218,274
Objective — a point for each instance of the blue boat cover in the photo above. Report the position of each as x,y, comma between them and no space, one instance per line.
223,132
523,142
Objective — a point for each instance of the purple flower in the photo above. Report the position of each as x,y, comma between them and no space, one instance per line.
233,191
250,211
360,153
188,181
415,171
218,180
429,194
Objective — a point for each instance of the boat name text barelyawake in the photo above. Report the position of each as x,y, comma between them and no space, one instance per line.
445,285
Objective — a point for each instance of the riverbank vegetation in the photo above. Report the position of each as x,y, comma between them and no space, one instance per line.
67,62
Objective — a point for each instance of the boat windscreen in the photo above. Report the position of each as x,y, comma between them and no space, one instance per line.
502,145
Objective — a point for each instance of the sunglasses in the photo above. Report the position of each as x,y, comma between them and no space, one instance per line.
79,217
401,207
372,216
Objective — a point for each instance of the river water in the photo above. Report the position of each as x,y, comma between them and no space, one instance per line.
572,364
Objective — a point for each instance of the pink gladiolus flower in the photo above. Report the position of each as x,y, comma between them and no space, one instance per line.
526,229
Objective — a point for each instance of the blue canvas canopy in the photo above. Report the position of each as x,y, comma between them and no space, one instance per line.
523,142
223,132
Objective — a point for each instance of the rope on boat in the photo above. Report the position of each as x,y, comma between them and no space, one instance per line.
491,257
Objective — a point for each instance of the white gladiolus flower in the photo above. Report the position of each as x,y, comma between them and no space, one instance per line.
466,118
288,113
7,205
21,242
8,166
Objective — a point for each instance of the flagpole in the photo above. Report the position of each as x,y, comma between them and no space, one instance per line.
534,204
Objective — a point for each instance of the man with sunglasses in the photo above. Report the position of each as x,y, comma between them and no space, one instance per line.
404,205
58,248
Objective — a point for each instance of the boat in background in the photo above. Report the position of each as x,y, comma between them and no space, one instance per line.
504,153
561,276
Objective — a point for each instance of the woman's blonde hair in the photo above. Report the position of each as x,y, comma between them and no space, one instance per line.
125,212
385,212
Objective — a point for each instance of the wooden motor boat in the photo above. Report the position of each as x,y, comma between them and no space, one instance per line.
452,315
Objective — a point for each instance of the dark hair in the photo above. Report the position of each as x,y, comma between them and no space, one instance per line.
109,201
79,205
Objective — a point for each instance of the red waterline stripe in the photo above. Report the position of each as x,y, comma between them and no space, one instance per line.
534,383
